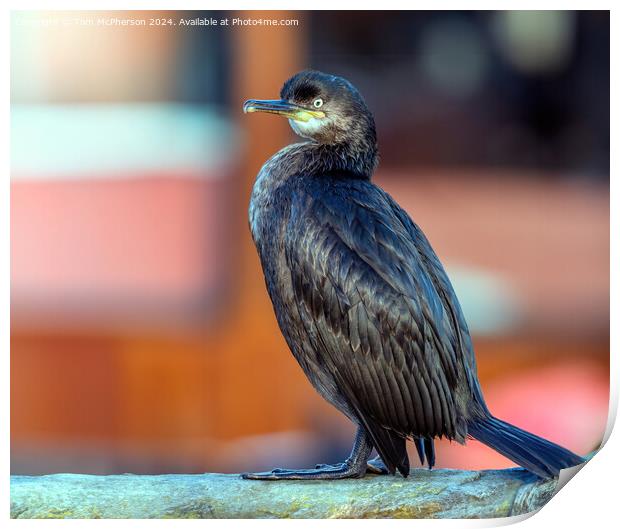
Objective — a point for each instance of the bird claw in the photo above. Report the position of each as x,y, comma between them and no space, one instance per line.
325,466
271,474
376,466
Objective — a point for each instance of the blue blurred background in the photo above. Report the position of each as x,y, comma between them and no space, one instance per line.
142,338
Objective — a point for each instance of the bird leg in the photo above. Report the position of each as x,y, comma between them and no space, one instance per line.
353,467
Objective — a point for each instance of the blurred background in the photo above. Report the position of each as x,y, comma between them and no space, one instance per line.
142,337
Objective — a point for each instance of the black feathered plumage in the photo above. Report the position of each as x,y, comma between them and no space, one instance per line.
363,300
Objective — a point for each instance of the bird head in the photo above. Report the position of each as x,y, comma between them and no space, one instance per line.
325,108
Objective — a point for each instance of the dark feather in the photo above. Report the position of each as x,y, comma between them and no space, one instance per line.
397,359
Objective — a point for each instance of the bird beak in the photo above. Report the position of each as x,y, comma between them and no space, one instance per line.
283,108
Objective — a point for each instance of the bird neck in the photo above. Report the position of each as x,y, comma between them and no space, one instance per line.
352,160
351,149
349,160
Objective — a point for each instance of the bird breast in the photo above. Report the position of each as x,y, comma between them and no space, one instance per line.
274,173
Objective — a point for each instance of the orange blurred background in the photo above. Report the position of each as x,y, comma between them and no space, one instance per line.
142,337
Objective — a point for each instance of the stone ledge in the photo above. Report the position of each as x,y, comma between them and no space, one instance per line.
424,494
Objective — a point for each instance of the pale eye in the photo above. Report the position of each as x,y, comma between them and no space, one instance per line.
317,103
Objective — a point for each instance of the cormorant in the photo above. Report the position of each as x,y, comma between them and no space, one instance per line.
361,297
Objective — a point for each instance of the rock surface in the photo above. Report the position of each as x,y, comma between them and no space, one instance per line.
425,494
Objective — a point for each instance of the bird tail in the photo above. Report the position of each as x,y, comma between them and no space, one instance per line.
534,453
426,450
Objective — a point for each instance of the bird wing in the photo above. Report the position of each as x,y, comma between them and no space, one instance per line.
377,306
443,286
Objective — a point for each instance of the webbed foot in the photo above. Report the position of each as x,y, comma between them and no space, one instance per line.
339,471
354,467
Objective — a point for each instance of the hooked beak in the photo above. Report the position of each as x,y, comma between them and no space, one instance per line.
283,108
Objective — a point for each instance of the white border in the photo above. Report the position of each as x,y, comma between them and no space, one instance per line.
587,499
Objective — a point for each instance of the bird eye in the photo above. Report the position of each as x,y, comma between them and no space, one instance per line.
317,103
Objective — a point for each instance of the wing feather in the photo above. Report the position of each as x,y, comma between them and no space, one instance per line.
375,296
